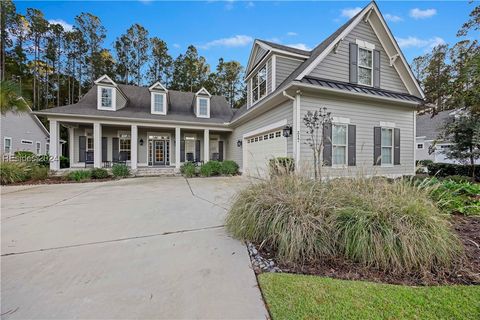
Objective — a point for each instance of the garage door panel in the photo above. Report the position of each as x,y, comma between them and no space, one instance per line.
262,148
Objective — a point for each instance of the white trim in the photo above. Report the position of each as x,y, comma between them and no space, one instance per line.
39,149
164,134
203,91
274,72
392,147
387,124
340,120
344,124
152,103
47,147
299,123
252,103
105,77
269,127
157,84
365,45
11,145
366,48
197,108
99,98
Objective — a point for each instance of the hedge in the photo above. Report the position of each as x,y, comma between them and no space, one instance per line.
449,169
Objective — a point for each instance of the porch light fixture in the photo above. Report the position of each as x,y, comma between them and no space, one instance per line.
239,143
287,131
141,142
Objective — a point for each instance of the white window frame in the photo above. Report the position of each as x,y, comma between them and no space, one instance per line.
392,147
198,107
124,135
164,97
10,146
38,147
47,148
99,98
370,49
341,165
24,141
252,101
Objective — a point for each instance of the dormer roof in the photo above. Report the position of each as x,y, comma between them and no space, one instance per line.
157,86
203,91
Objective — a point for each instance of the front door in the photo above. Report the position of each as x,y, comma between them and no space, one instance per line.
158,152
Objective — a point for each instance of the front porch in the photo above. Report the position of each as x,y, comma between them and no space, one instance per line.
138,146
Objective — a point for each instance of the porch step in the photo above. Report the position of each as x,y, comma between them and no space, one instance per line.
152,172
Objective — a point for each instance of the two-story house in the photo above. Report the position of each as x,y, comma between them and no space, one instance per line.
358,73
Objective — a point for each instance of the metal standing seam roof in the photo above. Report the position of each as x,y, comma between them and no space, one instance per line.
338,85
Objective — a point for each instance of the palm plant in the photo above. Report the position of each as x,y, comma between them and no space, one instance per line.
11,98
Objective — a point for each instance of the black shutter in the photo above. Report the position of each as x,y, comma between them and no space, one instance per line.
396,146
352,145
104,148
376,69
377,146
197,150
82,147
115,146
220,150
182,150
327,145
353,63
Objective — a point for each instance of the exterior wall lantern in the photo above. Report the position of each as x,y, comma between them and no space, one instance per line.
239,143
287,131
141,142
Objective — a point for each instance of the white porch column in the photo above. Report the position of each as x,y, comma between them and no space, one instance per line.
206,145
134,147
71,145
97,145
54,145
177,148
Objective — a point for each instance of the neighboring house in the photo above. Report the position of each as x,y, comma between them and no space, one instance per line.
358,73
23,132
428,143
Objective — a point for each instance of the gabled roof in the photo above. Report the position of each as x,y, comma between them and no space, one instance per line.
203,91
157,86
429,126
180,106
282,47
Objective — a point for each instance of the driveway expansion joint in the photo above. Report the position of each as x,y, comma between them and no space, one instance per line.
203,199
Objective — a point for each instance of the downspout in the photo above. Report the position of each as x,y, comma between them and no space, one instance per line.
295,129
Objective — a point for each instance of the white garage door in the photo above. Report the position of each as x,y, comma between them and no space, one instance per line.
261,148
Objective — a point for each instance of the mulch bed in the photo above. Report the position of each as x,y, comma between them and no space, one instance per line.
468,271
55,180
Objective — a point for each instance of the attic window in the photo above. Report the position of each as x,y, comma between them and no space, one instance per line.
259,84
203,107
107,97
159,103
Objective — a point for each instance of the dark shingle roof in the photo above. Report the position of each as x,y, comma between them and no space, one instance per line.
180,106
285,48
338,85
430,127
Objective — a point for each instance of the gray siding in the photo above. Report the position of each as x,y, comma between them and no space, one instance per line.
121,101
259,55
283,111
335,66
22,126
284,67
366,116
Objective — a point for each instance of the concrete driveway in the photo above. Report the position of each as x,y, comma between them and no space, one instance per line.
133,249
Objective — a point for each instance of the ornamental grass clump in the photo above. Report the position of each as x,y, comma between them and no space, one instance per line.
391,226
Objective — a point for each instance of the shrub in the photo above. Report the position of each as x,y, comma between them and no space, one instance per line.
79,175
188,169
120,170
449,169
455,197
38,172
99,173
12,172
393,226
25,156
281,165
229,167
64,162
211,168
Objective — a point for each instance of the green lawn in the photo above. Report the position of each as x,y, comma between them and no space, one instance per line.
309,297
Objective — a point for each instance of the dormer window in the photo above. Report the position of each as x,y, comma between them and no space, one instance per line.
259,84
202,105
107,94
158,103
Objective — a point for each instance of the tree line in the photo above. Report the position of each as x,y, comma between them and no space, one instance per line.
55,67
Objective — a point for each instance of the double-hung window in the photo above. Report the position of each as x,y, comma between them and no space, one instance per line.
125,146
158,103
387,146
339,144
259,84
7,145
38,147
203,107
365,66
107,98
